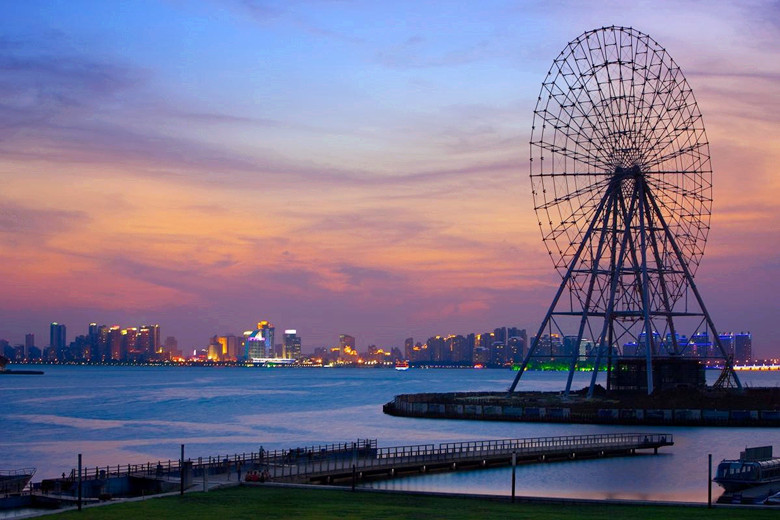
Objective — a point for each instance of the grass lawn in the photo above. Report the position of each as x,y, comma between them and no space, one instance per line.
291,503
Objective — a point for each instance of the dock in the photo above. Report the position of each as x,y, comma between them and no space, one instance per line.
390,462
338,463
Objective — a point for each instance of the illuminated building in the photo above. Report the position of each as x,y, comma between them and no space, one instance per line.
436,348
516,348
259,343
214,352
144,342
115,343
130,344
57,341
149,340
420,352
292,344
408,348
743,347
345,340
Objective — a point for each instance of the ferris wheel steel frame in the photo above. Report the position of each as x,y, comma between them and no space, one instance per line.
622,187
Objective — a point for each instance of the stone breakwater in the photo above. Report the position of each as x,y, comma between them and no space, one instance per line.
754,407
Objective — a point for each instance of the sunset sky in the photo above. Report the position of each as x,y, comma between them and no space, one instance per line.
337,166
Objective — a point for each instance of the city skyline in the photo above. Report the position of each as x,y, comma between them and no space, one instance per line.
200,165
501,346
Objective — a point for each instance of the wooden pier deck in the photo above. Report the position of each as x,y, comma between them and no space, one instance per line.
348,461
389,462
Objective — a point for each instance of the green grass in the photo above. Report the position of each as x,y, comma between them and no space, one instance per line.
284,503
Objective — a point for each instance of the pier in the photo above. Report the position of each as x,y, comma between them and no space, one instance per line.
421,458
341,462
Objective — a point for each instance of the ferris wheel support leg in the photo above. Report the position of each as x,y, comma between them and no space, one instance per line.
566,278
662,280
728,364
616,272
645,289
611,209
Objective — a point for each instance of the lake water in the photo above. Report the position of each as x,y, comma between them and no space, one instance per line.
121,415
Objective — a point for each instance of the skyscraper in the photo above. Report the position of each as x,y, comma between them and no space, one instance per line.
57,340
29,343
114,344
171,348
259,343
743,347
292,344
408,348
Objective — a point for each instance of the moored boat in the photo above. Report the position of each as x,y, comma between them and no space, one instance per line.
13,481
755,467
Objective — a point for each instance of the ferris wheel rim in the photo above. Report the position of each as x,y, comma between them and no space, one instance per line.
689,218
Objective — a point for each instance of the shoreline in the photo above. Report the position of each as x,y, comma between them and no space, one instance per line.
383,365
281,495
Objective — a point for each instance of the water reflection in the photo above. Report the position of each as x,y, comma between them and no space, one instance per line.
121,415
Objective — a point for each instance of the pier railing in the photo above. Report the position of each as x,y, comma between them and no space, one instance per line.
330,461
459,452
217,464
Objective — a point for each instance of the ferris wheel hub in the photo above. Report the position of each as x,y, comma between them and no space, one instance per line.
632,171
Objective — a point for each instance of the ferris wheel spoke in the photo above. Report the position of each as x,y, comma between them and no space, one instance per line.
570,98
588,159
691,146
593,190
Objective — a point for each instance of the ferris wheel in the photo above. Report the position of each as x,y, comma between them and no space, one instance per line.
622,188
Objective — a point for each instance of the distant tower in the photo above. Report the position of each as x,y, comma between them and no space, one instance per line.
292,344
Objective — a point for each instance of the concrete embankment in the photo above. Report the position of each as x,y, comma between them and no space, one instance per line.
743,410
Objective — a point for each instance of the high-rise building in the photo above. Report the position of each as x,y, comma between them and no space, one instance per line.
234,347
154,335
409,348
130,344
516,349
743,347
457,349
259,343
29,343
57,341
171,348
292,344
437,349
345,340
143,342
115,344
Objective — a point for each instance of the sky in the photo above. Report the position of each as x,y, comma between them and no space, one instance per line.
336,166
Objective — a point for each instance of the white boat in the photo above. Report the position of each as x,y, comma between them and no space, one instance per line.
272,361
402,365
755,467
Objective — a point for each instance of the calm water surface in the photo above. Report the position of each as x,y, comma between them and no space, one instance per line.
121,415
